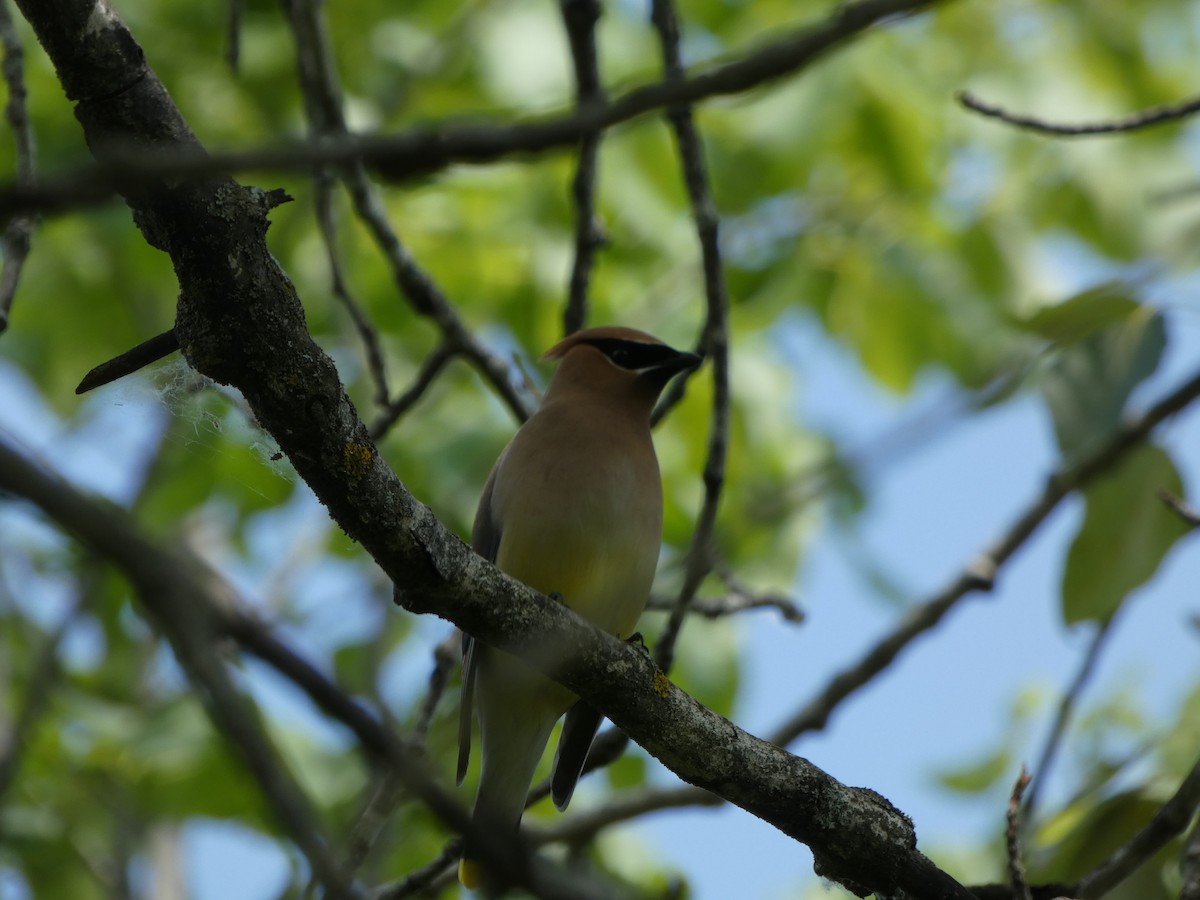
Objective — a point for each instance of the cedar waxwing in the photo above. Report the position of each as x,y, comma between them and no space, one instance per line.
572,508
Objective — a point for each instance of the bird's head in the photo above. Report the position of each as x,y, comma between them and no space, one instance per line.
623,364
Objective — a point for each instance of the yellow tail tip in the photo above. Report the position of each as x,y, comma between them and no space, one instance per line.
470,874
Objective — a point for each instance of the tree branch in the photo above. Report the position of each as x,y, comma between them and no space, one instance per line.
1169,822
579,18
980,574
1012,836
424,151
1041,772
180,598
193,607
323,101
714,340
1159,115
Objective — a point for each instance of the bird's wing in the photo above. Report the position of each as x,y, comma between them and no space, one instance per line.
485,540
466,703
579,729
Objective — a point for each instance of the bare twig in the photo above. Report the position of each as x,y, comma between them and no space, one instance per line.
233,34
385,794
425,879
430,369
732,604
1168,823
1188,513
388,788
367,332
714,341
418,286
579,18
1159,115
1065,708
583,826
445,658
980,575
130,361
18,233
1012,836
323,107
422,151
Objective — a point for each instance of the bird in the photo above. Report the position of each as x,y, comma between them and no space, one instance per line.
572,508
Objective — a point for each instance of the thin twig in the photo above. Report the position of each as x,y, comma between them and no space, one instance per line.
367,332
714,342
731,605
1188,513
369,825
445,658
323,108
423,879
583,826
1159,115
431,367
1066,706
1172,818
18,233
580,18
980,575
417,285
422,151
233,34
1012,836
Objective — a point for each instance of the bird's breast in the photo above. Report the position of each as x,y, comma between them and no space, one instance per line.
582,523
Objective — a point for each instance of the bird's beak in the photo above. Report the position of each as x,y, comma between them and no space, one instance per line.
683,362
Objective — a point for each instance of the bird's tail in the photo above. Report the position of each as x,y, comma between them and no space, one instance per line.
510,758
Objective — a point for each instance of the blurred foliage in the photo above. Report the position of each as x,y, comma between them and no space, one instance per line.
856,198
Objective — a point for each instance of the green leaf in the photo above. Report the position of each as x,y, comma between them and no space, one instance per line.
1125,535
627,772
1088,383
1088,835
979,776
1083,315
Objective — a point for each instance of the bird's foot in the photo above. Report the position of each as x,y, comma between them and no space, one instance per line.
557,597
637,640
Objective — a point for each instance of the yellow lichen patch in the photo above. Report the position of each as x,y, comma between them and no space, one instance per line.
662,684
355,459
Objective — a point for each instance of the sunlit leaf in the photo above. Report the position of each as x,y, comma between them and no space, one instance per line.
1088,383
1125,534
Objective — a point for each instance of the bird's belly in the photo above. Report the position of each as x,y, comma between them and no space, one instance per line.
606,580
